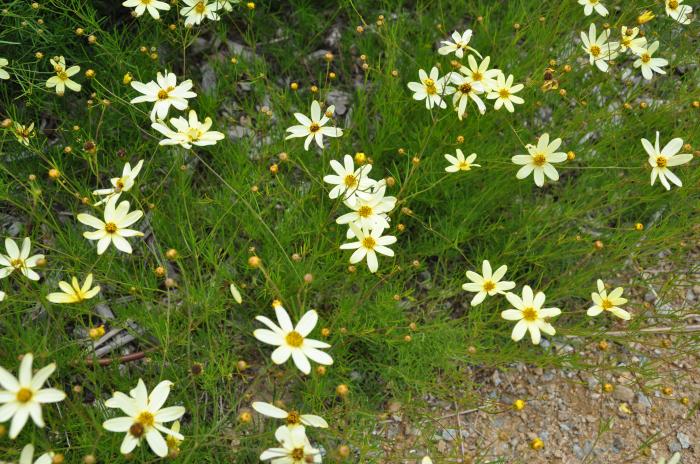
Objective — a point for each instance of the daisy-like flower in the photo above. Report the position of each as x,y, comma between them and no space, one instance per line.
145,417
62,78
19,260
23,133
197,11
368,244
504,93
348,182
649,64
466,89
540,160
480,73
370,213
426,460
114,228
27,456
73,292
599,50
164,92
489,283
459,163
590,5
661,159
172,440
296,448
629,40
431,88
292,341
679,12
120,184
530,315
458,45
140,6
22,397
612,302
4,74
189,131
313,129
292,418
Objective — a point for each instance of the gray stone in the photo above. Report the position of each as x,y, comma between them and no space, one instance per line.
683,439
623,393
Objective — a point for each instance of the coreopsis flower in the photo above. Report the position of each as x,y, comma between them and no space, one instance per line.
629,40
661,159
120,184
189,131
590,5
480,73
431,88
196,11
539,161
27,456
4,74
426,460
22,397
460,163
19,260
164,92
313,129
370,212
73,292
504,93
62,78
144,418
367,246
172,438
152,6
295,448
291,340
599,50
349,183
649,64
489,283
679,12
602,301
458,45
530,314
291,418
466,90
645,17
114,228
23,133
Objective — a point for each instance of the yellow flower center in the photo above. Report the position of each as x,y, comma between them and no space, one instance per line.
298,454
58,68
111,227
661,161
350,181
595,50
146,2
646,58
477,76
293,418
314,127
120,184
199,7
626,41
365,211
162,94
17,263
194,134
465,88
464,166
607,304
146,419
539,159
489,285
369,243
172,442
429,83
504,93
24,395
529,314
63,76
673,4
294,339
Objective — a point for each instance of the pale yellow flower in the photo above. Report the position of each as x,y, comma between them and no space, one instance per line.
73,292
62,78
